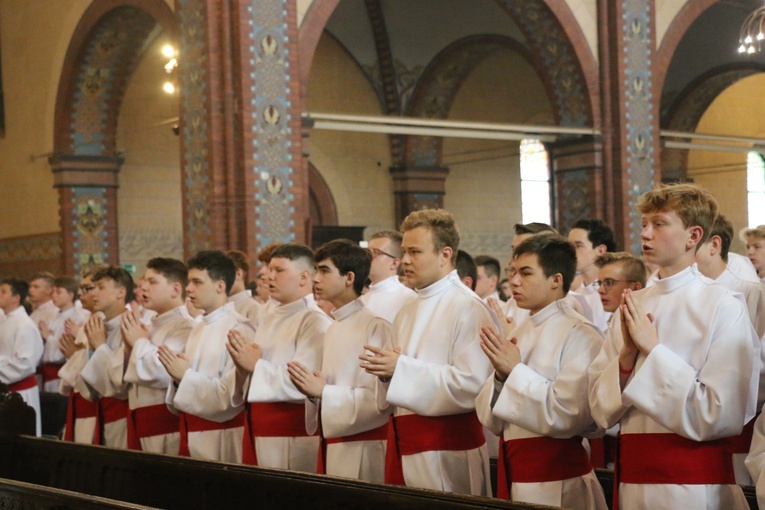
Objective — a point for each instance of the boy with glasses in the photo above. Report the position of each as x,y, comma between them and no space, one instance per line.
386,294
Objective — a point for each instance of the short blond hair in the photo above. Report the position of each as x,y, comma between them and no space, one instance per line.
441,224
693,205
758,232
633,268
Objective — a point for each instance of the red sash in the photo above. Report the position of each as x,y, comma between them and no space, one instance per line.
378,434
271,419
602,451
672,459
411,433
24,384
191,423
742,442
539,459
50,371
149,421
80,407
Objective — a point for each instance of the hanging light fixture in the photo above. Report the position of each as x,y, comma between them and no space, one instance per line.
751,36
172,63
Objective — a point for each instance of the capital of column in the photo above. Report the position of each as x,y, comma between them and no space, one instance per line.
85,171
418,187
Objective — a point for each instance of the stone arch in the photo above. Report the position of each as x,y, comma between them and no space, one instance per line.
674,34
555,38
102,55
439,84
322,202
686,111
552,33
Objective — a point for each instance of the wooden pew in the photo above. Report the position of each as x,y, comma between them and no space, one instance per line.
175,482
15,494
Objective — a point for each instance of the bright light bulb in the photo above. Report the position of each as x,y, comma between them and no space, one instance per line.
171,64
168,87
168,51
742,49
748,39
760,36
750,50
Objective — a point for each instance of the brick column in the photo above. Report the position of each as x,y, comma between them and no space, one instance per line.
88,206
418,187
577,167
630,108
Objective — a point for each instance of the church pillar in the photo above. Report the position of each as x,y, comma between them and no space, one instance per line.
205,206
630,111
418,187
275,173
87,188
577,168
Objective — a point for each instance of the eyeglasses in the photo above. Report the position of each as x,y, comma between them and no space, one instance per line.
608,283
86,288
375,252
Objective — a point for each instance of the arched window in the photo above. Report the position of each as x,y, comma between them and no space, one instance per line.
535,182
755,187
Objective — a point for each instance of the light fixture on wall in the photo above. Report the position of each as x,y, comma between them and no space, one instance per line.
172,63
751,35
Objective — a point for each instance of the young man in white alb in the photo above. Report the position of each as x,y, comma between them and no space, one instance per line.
386,294
81,413
342,396
434,368
712,261
240,296
592,238
41,297
291,329
151,425
21,346
211,427
64,295
679,369
536,399
101,377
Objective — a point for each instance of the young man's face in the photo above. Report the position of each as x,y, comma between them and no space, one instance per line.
384,264
62,298
139,292
106,294
485,284
159,293
8,302
287,280
422,263
328,283
612,285
86,293
262,286
532,290
755,250
39,291
203,292
586,253
665,238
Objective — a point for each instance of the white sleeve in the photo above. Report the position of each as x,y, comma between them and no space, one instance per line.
103,372
448,388
558,407
604,390
712,403
484,404
144,366
270,382
349,410
27,353
755,460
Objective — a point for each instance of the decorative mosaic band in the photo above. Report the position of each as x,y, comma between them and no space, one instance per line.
547,39
194,109
639,119
89,213
21,257
269,71
109,56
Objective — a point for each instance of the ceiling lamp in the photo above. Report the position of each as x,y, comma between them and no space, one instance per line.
751,35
